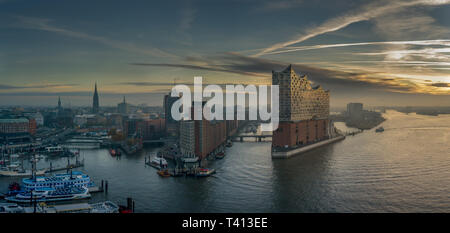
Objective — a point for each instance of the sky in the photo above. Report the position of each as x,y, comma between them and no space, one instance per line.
377,52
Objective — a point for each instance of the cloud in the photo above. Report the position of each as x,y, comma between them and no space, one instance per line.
440,84
11,87
44,25
341,45
337,80
409,24
367,12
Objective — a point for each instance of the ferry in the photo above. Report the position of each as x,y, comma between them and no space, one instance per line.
48,194
75,179
158,162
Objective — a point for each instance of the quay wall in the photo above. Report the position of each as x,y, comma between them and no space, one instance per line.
289,153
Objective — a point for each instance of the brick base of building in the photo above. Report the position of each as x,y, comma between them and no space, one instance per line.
301,133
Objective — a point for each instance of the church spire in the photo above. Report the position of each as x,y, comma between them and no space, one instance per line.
95,102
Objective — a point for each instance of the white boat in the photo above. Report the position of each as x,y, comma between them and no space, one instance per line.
20,172
51,194
11,208
158,162
101,207
54,149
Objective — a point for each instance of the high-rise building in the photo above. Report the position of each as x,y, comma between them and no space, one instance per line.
304,111
172,126
199,138
95,102
122,108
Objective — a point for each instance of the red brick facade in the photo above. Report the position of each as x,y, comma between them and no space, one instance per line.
209,135
293,134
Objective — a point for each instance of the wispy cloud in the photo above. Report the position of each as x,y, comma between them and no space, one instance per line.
367,12
325,46
340,79
45,25
409,24
37,86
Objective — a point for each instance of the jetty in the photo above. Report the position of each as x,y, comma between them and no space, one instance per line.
69,166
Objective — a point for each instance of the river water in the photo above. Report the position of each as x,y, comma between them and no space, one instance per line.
406,168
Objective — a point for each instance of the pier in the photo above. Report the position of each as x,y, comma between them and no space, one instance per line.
69,166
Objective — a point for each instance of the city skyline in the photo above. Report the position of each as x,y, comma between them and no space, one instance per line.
378,53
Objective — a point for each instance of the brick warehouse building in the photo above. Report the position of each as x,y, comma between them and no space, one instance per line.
199,138
304,111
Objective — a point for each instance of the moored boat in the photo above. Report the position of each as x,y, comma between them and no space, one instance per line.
158,162
112,152
202,172
379,130
163,173
50,195
20,172
220,155
75,178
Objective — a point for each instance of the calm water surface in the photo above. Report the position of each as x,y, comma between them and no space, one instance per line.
404,169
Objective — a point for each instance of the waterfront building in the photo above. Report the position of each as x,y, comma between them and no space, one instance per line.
199,138
17,130
304,111
95,101
147,129
187,138
172,125
122,108
14,126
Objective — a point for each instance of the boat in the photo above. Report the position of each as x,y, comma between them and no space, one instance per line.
229,144
220,155
75,179
163,173
379,130
203,172
105,207
11,208
54,150
101,207
20,172
48,194
112,152
158,162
